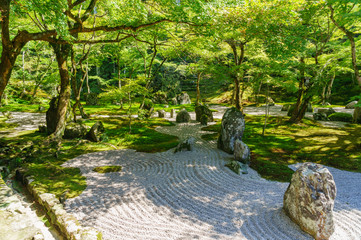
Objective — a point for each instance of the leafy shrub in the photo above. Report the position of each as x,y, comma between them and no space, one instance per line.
343,117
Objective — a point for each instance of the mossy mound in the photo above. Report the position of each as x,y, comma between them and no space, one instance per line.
107,169
343,117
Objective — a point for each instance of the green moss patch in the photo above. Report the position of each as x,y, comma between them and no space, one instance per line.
343,117
285,144
107,169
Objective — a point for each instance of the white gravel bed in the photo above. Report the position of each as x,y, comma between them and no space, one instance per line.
192,195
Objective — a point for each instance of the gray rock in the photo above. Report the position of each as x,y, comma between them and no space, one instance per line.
286,107
183,98
232,128
203,110
242,152
91,99
351,105
74,130
174,101
42,129
327,111
160,98
309,200
96,132
172,113
183,116
187,144
320,117
161,113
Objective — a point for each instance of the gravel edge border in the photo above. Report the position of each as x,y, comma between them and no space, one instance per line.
68,225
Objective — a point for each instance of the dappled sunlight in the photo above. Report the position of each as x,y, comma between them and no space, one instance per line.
184,195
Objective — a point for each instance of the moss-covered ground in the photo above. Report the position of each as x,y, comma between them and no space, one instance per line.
44,161
285,144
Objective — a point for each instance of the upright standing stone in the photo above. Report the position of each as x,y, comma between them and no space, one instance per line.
232,128
309,200
172,113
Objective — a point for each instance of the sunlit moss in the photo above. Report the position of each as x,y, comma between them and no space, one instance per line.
107,169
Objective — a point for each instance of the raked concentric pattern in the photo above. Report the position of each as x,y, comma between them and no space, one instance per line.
191,195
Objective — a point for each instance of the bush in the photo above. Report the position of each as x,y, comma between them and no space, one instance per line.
343,117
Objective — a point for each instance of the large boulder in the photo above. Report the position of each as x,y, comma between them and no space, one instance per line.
183,98
242,152
74,130
96,132
91,99
203,110
327,111
232,129
351,105
183,116
309,200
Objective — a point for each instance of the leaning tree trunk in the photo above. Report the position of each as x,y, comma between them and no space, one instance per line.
62,53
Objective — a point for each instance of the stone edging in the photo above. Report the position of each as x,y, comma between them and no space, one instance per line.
65,222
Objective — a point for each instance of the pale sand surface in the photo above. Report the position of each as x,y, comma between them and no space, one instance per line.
192,195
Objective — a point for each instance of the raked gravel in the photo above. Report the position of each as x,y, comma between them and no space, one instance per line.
192,195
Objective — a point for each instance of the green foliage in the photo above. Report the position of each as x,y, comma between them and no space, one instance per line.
107,169
338,116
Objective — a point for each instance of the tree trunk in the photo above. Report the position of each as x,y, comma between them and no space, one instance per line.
198,90
301,92
237,92
62,53
10,48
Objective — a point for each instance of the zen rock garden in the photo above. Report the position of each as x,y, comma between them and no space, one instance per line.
217,119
